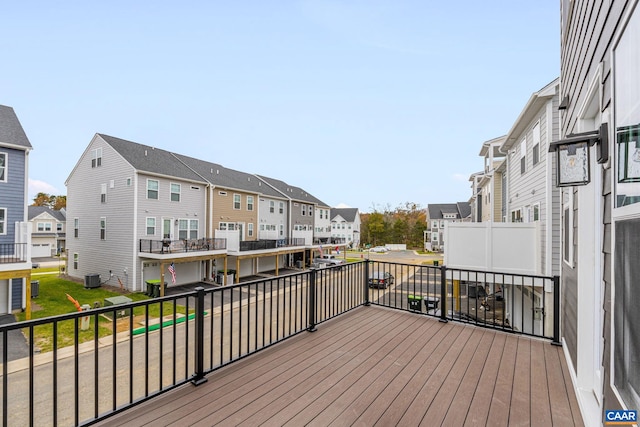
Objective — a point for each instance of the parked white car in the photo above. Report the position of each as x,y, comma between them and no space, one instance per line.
379,249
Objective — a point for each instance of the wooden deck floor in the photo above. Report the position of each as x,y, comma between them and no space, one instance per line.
375,366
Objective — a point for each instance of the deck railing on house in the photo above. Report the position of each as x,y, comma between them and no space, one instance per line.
168,246
85,366
13,252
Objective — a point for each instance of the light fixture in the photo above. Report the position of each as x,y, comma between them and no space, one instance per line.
176,222
574,158
628,139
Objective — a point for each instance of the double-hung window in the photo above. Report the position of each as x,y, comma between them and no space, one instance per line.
103,193
96,158
237,201
152,189
3,167
175,192
3,220
151,226
249,203
103,228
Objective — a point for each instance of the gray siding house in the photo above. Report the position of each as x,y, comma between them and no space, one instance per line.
600,65
15,235
531,195
438,214
48,233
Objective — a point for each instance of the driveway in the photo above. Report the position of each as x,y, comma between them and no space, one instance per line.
18,347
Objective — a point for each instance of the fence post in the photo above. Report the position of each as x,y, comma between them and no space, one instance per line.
366,282
443,294
312,300
198,377
556,311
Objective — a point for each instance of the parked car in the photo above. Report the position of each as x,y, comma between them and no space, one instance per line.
379,249
380,279
327,261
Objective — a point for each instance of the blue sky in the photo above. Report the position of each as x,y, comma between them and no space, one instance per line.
367,103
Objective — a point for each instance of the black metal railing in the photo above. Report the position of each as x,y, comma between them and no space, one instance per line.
13,252
256,245
168,246
85,366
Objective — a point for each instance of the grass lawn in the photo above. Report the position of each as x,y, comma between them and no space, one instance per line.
52,301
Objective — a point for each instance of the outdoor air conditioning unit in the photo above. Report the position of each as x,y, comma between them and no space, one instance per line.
92,281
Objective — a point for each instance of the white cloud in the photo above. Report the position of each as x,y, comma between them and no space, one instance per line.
36,187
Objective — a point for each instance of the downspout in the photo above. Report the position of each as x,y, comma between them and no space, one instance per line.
135,234
508,192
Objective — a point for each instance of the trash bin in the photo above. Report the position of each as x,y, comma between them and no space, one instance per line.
299,264
149,291
415,302
156,289
85,321
35,288
431,303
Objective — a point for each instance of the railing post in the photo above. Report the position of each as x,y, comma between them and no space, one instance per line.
367,302
312,300
443,294
198,377
556,311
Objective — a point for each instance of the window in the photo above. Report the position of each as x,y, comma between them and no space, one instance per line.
188,229
128,182
250,229
237,200
281,208
272,206
75,261
103,228
3,220
103,193
281,230
44,226
151,226
3,167
310,210
523,156
96,158
222,193
303,210
516,215
152,189
536,144
434,237
58,227
536,212
76,227
249,203
175,192
434,224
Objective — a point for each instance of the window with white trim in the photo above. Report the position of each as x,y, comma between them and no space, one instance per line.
272,206
250,229
523,156
152,189
175,192
76,227
187,229
103,193
75,261
281,208
303,210
536,212
237,201
536,144
3,167
3,221
44,226
103,228
281,230
151,226
249,203
96,157
516,215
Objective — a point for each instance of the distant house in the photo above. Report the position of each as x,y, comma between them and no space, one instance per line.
487,202
15,236
437,216
345,226
48,229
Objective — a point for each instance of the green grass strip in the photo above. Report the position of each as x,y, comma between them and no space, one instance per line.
164,324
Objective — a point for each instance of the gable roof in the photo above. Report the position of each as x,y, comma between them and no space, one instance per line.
35,211
437,211
149,159
292,192
11,131
220,176
349,214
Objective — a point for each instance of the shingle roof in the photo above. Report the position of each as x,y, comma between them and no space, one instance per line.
461,209
145,158
34,211
349,214
220,176
11,131
292,192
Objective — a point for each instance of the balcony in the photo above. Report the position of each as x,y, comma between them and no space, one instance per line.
182,246
258,245
326,346
11,253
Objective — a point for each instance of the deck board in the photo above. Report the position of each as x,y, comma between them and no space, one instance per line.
376,366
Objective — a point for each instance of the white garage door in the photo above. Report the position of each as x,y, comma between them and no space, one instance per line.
40,250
